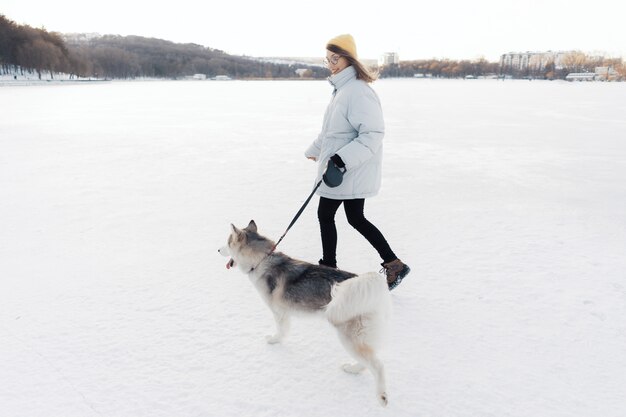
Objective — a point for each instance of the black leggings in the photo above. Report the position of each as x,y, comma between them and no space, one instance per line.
354,213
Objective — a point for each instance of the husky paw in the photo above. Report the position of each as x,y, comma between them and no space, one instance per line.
353,368
272,340
382,399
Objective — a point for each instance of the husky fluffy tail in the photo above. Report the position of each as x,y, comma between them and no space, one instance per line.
365,296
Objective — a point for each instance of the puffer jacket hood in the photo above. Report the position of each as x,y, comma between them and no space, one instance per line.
353,128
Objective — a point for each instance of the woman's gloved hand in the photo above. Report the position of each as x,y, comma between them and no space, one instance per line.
333,176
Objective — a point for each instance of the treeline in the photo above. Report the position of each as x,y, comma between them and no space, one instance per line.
440,68
24,48
547,69
32,49
113,56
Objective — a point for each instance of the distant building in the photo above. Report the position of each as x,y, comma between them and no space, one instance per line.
388,58
581,76
222,78
606,73
600,74
199,77
521,61
304,72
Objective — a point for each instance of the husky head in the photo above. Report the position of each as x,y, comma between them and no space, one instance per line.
245,247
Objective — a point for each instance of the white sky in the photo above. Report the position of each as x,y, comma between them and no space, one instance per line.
452,29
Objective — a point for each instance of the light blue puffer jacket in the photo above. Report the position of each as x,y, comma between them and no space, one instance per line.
353,128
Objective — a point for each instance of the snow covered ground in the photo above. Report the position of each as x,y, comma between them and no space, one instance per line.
506,198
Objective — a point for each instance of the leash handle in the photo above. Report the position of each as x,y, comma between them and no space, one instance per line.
298,214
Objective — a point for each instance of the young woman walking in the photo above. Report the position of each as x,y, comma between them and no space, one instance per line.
349,153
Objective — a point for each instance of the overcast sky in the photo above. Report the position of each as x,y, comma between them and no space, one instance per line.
456,29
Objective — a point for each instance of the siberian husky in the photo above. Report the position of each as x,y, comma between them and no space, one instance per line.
356,305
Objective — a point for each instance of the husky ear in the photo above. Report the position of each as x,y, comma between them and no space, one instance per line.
251,226
235,230
241,235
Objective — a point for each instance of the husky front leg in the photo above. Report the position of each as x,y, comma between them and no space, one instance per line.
282,327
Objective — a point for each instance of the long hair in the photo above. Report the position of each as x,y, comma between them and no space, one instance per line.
362,72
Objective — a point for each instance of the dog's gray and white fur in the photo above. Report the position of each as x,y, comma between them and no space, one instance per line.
356,305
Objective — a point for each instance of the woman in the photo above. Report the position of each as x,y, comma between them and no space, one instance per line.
349,151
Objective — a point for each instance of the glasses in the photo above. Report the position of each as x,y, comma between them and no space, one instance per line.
334,59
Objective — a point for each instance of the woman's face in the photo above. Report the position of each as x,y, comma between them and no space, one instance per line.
334,62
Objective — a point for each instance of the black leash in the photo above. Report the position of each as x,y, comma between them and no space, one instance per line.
297,215
288,227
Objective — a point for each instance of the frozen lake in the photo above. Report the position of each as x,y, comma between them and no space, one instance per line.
506,198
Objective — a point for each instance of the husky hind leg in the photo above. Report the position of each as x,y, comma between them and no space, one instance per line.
359,310
353,336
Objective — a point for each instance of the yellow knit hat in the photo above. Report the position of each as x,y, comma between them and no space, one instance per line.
345,42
